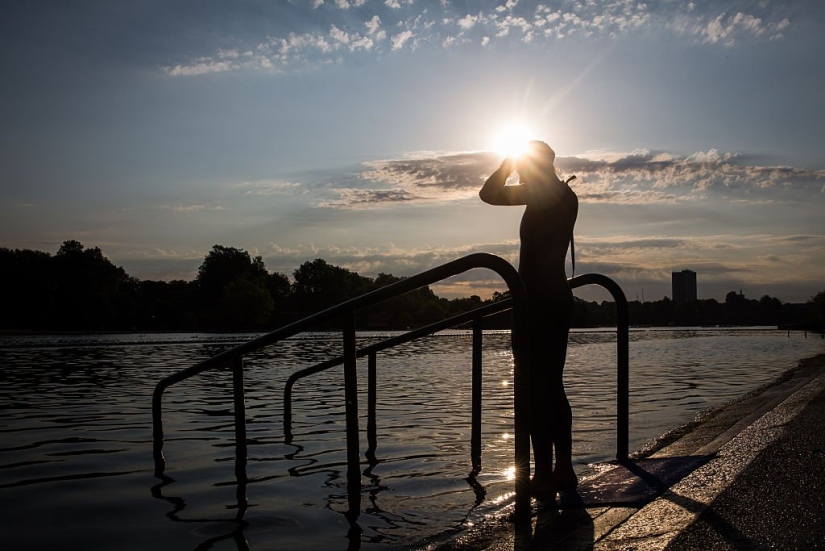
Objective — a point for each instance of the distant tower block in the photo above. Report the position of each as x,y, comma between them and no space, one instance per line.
684,286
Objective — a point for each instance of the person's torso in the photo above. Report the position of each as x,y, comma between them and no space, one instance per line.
546,230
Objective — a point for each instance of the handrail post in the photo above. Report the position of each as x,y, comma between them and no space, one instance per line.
288,411
622,376
351,410
240,421
157,431
372,399
475,434
521,406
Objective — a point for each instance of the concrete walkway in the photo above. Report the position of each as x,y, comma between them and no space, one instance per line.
749,475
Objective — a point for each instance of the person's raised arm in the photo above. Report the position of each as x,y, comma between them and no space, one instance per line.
495,192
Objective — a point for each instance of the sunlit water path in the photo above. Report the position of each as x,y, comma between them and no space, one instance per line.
76,452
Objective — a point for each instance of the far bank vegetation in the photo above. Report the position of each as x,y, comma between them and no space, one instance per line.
79,289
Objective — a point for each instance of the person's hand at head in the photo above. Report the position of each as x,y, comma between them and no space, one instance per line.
508,165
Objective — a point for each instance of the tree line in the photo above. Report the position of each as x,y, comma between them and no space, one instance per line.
79,289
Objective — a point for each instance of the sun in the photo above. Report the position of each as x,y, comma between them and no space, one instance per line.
511,141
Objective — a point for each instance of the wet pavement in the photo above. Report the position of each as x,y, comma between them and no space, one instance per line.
748,475
778,502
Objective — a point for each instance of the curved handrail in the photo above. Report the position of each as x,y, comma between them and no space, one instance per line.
477,260
622,355
521,387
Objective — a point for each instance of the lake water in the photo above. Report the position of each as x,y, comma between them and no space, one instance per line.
76,454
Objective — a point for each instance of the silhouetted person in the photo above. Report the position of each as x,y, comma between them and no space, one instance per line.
546,231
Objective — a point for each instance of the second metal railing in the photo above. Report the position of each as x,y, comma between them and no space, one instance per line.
476,316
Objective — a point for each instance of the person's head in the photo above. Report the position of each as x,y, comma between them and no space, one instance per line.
537,162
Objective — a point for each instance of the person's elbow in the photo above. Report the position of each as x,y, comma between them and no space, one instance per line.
487,196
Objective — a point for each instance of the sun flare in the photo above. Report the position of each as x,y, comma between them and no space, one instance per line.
512,140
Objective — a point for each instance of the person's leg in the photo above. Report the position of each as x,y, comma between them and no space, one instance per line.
551,418
541,416
562,422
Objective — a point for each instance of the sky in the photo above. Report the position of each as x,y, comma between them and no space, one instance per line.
359,131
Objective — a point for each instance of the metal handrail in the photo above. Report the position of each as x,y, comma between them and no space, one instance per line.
518,302
622,356
234,359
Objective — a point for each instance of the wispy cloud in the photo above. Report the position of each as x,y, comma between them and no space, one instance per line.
727,29
428,179
224,60
639,177
268,187
354,27
190,208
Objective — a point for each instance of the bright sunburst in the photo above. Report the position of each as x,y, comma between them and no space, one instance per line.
512,140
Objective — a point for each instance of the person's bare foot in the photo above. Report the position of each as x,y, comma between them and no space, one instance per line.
543,485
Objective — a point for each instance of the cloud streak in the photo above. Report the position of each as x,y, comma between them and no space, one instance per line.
639,177
335,29
268,187
189,208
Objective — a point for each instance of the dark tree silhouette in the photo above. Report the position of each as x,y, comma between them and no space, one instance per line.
85,286
27,281
234,289
816,317
319,285
222,265
79,289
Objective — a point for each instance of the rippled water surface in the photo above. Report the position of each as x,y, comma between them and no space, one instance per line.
76,453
